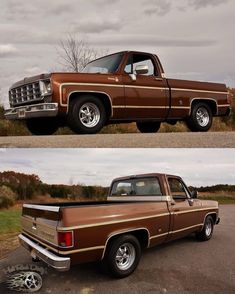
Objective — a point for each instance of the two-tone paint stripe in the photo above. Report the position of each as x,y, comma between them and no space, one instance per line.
63,252
131,86
176,231
150,107
133,219
102,247
126,220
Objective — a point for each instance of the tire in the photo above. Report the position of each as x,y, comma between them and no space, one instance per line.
86,115
127,249
207,230
200,119
148,127
42,126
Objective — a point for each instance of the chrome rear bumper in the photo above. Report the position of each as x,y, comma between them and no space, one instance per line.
32,111
55,261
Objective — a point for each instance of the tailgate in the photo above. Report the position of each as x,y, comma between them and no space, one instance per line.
40,222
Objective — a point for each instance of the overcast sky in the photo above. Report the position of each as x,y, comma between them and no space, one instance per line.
198,167
194,38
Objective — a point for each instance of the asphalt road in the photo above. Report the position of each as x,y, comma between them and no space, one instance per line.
135,140
183,266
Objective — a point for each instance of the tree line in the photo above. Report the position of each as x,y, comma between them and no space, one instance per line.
16,186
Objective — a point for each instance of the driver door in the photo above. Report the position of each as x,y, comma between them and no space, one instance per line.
184,210
147,96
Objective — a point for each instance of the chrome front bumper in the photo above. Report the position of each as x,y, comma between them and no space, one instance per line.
55,261
32,111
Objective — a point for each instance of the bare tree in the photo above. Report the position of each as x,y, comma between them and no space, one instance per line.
75,53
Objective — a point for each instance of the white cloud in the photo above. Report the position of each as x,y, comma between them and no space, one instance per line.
197,167
31,30
204,3
7,50
32,70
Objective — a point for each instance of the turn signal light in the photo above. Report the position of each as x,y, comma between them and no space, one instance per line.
65,239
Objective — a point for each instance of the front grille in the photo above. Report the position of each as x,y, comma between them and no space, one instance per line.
25,94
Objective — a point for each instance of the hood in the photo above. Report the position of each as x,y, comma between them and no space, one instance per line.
28,80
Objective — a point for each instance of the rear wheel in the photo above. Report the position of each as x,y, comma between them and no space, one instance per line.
42,126
87,115
200,119
148,127
207,230
123,255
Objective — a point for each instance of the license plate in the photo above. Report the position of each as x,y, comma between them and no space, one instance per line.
21,113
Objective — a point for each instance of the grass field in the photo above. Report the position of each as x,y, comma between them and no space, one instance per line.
9,221
9,228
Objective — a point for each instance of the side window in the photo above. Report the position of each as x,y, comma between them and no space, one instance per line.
137,187
177,189
140,59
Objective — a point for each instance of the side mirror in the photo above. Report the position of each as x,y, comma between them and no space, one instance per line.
141,69
133,77
194,194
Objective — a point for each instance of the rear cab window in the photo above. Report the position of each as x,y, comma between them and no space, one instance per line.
137,187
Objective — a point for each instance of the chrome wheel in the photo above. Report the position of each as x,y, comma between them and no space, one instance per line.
202,116
89,115
208,228
125,256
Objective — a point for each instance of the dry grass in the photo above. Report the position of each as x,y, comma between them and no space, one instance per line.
223,197
13,128
18,128
8,243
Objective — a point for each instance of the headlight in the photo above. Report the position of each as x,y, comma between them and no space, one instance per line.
45,87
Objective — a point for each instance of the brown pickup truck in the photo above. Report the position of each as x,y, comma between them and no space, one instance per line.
140,212
122,87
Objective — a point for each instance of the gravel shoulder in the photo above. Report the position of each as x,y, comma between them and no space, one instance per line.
135,140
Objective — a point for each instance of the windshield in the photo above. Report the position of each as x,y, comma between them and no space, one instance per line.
104,65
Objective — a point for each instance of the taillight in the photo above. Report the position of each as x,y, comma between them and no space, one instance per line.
65,239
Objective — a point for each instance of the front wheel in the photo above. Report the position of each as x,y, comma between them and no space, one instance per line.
42,126
148,127
87,115
123,256
200,119
207,230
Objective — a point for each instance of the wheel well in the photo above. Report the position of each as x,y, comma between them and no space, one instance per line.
105,99
211,103
213,215
142,236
